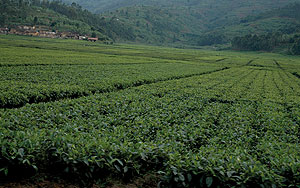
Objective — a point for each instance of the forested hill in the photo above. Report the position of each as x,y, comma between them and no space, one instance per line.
189,26
285,20
155,25
187,22
56,15
241,6
177,23
208,13
277,30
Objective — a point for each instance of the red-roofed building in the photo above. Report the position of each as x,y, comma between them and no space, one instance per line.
92,39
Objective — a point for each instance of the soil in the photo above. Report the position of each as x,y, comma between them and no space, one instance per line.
149,181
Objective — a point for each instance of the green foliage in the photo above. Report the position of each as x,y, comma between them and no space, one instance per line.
211,39
281,34
296,47
154,25
96,23
196,25
13,10
268,42
176,23
47,81
257,43
94,34
55,15
289,11
198,119
41,15
199,22
270,31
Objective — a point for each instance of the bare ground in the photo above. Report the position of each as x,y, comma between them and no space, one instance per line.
149,181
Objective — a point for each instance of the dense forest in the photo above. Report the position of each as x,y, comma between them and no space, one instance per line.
167,26
205,14
286,37
269,42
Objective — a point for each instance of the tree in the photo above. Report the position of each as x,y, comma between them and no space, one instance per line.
296,48
257,42
53,24
2,20
138,23
35,20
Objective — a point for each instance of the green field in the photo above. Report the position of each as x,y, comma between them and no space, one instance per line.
191,118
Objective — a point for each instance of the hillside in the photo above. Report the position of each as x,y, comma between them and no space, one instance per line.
276,30
156,25
185,26
284,20
189,22
56,16
19,13
175,23
233,6
212,13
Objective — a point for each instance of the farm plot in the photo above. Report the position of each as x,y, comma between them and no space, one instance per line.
43,71
191,124
33,84
188,130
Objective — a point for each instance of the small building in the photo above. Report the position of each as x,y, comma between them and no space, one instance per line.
82,37
72,36
13,31
4,30
50,33
27,28
35,34
63,35
92,39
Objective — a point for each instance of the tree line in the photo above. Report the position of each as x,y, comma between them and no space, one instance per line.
268,42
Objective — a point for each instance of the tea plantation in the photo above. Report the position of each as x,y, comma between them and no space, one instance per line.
192,118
